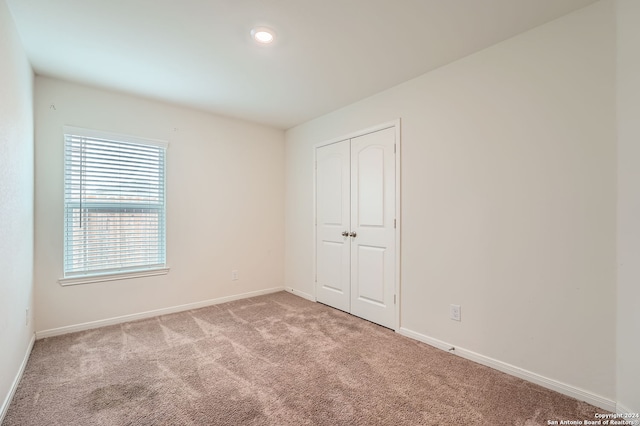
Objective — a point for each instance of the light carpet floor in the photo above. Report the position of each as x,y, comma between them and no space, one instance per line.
269,360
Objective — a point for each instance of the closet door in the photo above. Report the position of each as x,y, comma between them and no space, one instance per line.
372,226
355,226
333,174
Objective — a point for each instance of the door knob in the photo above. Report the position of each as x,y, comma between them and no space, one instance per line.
345,234
353,234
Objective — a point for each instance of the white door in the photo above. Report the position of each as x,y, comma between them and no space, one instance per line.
373,239
332,224
355,226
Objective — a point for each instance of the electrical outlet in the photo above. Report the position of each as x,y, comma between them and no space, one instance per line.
234,275
455,312
27,316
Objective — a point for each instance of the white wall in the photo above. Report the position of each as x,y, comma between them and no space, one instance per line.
16,204
225,205
628,348
508,199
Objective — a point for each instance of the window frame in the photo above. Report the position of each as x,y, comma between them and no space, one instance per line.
111,274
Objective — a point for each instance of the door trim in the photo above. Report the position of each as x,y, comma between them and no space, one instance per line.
396,124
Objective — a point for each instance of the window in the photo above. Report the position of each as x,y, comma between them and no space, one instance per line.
114,204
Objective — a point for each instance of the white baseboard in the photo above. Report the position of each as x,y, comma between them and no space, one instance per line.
563,388
16,380
301,293
149,314
621,409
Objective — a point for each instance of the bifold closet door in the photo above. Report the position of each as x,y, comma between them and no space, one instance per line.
355,226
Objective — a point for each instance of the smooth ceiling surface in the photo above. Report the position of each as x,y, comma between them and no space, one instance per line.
327,54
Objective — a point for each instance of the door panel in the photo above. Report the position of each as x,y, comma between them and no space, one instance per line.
332,219
330,194
372,219
370,274
371,186
331,254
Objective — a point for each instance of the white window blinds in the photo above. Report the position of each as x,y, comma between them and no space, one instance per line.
114,202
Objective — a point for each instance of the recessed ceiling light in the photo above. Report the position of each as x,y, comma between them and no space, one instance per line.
263,35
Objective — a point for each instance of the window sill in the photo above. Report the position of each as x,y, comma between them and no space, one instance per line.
89,279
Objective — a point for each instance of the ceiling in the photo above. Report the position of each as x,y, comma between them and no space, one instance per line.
327,53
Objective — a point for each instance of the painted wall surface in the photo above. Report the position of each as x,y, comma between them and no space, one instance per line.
628,347
16,202
508,199
225,204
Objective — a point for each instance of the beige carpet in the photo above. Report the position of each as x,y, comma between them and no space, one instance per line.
270,360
